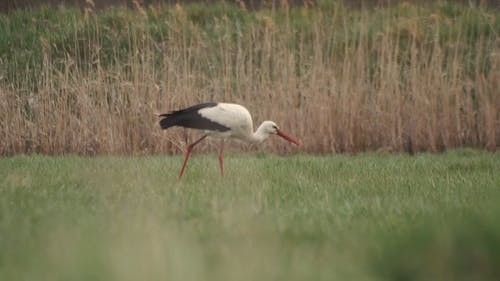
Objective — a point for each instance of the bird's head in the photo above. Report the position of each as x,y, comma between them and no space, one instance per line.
269,127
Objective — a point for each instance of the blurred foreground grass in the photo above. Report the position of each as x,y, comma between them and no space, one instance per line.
365,217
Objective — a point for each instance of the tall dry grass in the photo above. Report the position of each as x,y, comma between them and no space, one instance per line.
338,80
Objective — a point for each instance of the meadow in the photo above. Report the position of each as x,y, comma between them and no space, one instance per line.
403,78
88,181
365,217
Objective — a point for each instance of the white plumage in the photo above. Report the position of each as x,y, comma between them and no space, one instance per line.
231,115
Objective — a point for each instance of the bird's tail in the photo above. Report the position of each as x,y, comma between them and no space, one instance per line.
168,120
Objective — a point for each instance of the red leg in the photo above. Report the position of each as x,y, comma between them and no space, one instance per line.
188,152
221,160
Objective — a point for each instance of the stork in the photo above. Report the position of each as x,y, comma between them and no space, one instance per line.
221,120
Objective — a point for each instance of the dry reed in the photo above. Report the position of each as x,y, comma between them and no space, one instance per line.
335,89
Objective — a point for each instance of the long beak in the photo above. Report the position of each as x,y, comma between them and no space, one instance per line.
287,137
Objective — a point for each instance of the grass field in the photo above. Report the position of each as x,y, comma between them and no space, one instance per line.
409,77
364,217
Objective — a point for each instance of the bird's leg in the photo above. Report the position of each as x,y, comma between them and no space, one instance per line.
188,152
221,160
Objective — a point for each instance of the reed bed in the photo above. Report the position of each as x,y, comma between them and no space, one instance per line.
406,78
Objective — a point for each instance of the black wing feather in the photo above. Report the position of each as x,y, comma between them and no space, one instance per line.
190,118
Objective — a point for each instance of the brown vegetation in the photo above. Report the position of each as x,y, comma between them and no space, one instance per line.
335,90
9,6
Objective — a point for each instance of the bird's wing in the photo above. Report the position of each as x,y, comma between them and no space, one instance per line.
191,118
233,116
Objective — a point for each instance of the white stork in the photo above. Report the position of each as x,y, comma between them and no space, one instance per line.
222,120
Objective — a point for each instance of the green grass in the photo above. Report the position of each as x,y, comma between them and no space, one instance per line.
365,217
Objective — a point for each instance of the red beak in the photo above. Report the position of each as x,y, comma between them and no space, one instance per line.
287,137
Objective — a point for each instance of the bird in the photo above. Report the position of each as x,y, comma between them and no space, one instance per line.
220,120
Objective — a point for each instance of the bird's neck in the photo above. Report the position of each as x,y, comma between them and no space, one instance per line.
259,135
